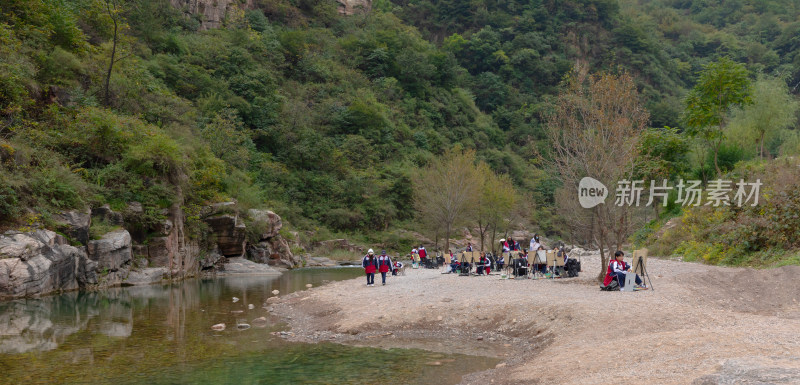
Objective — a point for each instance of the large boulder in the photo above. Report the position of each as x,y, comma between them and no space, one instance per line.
229,232
112,252
75,224
272,248
211,260
267,222
274,252
37,263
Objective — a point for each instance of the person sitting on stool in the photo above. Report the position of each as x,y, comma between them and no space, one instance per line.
617,269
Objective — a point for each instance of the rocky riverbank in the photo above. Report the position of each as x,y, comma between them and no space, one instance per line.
702,324
69,255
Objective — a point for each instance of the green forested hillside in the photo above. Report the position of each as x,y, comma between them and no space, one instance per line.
325,118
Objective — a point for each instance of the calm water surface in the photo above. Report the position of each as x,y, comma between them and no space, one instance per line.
162,335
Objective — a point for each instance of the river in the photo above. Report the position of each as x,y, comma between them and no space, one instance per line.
162,335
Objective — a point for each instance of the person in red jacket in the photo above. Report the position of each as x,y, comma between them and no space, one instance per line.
422,254
485,262
384,265
370,265
617,269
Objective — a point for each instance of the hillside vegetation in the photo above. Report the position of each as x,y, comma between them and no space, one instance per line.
327,119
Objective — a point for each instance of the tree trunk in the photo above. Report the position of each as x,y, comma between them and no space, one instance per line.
603,261
494,233
447,239
761,151
483,233
107,96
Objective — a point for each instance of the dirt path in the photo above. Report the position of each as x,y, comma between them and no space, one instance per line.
700,324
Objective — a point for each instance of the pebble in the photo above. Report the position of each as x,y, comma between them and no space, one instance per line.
235,299
308,285
276,292
218,327
251,306
242,326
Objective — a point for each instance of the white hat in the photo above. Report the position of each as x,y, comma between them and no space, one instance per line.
370,251
502,239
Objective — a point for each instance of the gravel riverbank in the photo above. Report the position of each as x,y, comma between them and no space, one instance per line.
700,324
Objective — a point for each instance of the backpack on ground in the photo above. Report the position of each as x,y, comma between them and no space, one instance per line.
613,286
572,267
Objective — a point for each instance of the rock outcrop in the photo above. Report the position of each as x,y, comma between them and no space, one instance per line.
75,224
112,251
42,261
211,13
230,234
351,7
272,248
39,262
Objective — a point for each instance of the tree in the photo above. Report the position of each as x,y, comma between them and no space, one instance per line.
773,109
496,200
114,14
446,192
722,85
595,129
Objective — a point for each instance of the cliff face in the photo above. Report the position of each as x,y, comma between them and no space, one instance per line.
41,261
210,12
350,7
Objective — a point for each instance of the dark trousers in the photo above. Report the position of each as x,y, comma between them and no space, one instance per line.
620,277
383,277
394,271
370,278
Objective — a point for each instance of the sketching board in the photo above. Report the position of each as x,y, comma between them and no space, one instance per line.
553,260
635,263
541,257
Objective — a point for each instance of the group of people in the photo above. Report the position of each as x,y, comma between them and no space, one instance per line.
483,265
616,271
382,264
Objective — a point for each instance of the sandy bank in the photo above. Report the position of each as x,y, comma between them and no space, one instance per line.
699,323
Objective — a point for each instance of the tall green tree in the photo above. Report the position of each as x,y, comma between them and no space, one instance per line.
773,109
722,84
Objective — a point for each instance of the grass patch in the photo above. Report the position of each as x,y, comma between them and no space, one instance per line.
100,228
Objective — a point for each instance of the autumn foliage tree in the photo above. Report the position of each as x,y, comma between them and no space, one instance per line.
446,191
496,200
595,128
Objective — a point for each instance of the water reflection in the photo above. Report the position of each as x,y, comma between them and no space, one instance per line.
162,334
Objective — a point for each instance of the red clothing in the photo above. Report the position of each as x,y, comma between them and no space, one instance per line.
613,266
384,262
370,265
423,253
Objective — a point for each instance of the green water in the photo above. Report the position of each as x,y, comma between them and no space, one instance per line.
162,335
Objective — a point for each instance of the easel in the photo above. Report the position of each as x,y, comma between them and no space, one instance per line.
640,268
553,260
